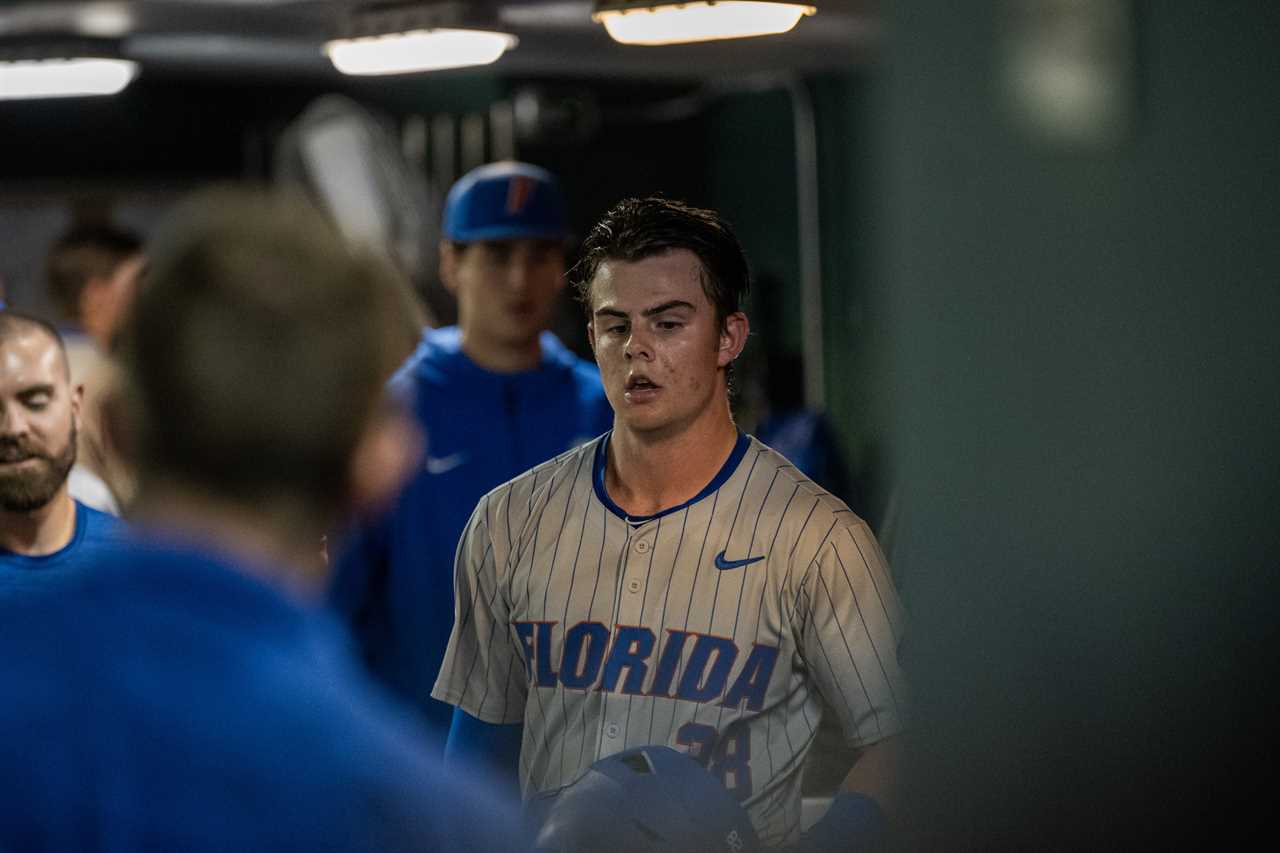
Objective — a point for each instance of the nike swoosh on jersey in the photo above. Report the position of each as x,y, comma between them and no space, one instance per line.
722,564
445,464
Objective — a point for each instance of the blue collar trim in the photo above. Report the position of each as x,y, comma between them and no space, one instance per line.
725,472
52,559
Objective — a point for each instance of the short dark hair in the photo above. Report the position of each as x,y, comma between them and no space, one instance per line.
15,323
85,252
257,350
639,228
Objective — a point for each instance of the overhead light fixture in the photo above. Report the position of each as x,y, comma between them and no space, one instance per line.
418,50
405,40
654,22
74,69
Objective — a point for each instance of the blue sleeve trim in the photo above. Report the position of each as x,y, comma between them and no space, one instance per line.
853,824
490,747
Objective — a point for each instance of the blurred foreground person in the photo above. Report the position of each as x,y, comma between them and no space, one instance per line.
191,694
46,535
91,274
494,395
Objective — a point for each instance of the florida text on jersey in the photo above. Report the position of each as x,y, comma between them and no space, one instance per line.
715,627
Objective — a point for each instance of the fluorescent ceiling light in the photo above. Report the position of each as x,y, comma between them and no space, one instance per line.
418,50
62,78
652,22
106,20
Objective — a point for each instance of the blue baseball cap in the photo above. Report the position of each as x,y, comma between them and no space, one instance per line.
505,201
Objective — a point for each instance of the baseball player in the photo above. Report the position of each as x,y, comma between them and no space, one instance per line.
46,535
494,396
191,693
676,582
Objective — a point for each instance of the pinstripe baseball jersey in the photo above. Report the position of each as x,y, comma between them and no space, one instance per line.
713,627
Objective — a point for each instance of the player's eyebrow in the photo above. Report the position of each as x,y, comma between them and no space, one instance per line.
667,306
648,312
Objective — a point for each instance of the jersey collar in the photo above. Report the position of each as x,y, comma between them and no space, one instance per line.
56,557
601,461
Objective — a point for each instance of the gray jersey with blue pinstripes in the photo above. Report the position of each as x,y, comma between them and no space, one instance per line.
713,627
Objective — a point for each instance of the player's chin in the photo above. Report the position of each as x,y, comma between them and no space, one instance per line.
527,324
521,330
642,419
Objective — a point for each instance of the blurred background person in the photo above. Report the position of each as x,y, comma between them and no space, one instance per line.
803,434
191,693
92,272
91,275
494,395
46,535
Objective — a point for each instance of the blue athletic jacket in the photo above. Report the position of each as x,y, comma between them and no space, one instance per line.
393,578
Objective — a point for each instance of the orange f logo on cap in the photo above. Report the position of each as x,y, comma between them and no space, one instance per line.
519,190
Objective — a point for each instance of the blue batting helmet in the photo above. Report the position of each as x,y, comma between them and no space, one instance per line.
651,799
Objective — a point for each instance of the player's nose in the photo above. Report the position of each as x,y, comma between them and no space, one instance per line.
12,423
519,272
638,346
516,277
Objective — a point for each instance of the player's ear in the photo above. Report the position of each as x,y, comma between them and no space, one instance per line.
591,336
385,457
733,337
77,405
449,266
559,251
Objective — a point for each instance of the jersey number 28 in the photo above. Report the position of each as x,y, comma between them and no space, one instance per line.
727,755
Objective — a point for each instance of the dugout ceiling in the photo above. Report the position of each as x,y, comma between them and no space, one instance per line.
283,37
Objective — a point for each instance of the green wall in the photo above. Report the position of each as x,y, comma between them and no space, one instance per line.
1087,397
750,149
750,144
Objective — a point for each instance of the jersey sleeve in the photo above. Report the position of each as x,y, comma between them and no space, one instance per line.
850,627
483,672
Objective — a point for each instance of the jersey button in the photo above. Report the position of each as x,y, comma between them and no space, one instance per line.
611,730
633,585
643,546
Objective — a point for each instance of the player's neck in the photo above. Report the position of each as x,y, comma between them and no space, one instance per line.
42,531
650,472
502,356
272,541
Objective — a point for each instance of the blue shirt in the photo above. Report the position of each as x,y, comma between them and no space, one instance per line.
173,701
394,576
809,441
94,532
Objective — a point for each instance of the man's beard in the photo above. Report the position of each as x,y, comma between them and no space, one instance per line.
26,491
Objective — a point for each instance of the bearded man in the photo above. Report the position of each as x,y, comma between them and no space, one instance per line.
45,534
